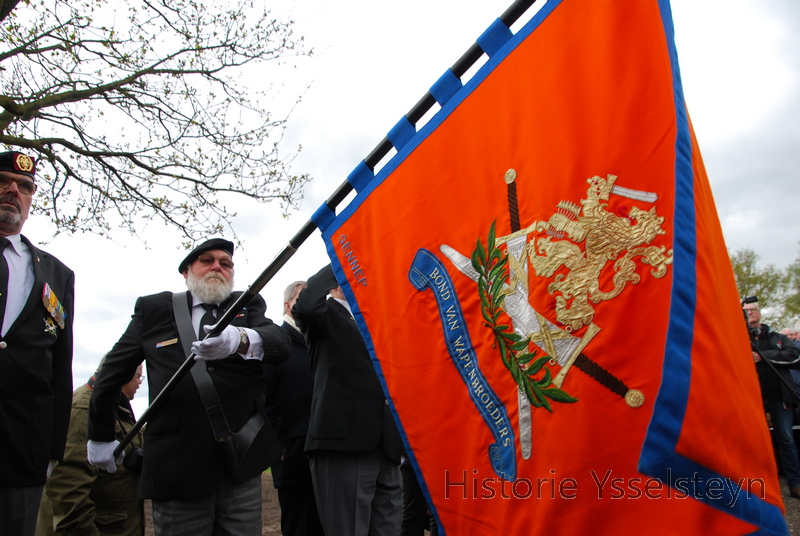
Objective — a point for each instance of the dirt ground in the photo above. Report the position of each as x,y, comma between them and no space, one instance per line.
792,510
271,511
271,514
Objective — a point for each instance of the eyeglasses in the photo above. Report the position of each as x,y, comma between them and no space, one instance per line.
140,376
208,260
25,187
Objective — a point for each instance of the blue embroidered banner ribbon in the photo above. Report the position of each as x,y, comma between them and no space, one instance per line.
427,272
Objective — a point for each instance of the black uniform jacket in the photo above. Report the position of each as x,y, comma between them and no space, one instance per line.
288,391
784,355
36,378
349,411
181,458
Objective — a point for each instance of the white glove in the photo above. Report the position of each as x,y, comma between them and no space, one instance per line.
101,454
219,347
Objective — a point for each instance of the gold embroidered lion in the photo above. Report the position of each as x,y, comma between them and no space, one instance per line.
606,237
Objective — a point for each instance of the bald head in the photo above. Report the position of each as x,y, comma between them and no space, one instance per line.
792,334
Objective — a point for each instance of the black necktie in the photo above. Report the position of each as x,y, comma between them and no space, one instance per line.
208,319
3,279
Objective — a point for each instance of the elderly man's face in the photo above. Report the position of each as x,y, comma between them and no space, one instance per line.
792,334
130,388
210,276
753,314
214,264
14,205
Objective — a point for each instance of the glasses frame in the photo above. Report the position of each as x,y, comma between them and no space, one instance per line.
5,182
208,259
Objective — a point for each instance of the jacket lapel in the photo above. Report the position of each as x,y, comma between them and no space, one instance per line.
341,309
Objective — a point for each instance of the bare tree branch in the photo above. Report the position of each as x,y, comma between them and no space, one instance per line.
143,112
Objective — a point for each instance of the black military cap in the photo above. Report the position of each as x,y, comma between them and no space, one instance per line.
18,163
208,245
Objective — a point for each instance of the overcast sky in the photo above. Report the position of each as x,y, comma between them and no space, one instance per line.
374,60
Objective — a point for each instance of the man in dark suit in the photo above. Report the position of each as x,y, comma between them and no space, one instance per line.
194,482
36,307
288,390
353,444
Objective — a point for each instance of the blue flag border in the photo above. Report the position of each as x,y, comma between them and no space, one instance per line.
658,457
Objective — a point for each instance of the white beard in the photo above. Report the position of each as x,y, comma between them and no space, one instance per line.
9,216
211,288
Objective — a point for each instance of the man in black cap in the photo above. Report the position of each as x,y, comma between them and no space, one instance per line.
36,299
207,445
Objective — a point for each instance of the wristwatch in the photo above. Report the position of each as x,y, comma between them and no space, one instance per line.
244,342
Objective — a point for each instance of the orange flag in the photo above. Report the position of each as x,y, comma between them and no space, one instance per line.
541,278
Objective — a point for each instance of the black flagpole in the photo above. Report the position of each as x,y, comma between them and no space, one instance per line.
459,68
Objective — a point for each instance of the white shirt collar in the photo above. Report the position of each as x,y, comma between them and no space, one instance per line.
16,243
289,320
347,305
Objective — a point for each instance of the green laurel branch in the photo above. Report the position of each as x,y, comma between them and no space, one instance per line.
531,374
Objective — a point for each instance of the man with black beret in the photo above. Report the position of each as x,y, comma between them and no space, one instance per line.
36,307
207,445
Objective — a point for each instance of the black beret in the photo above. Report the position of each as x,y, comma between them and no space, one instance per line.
208,245
18,163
